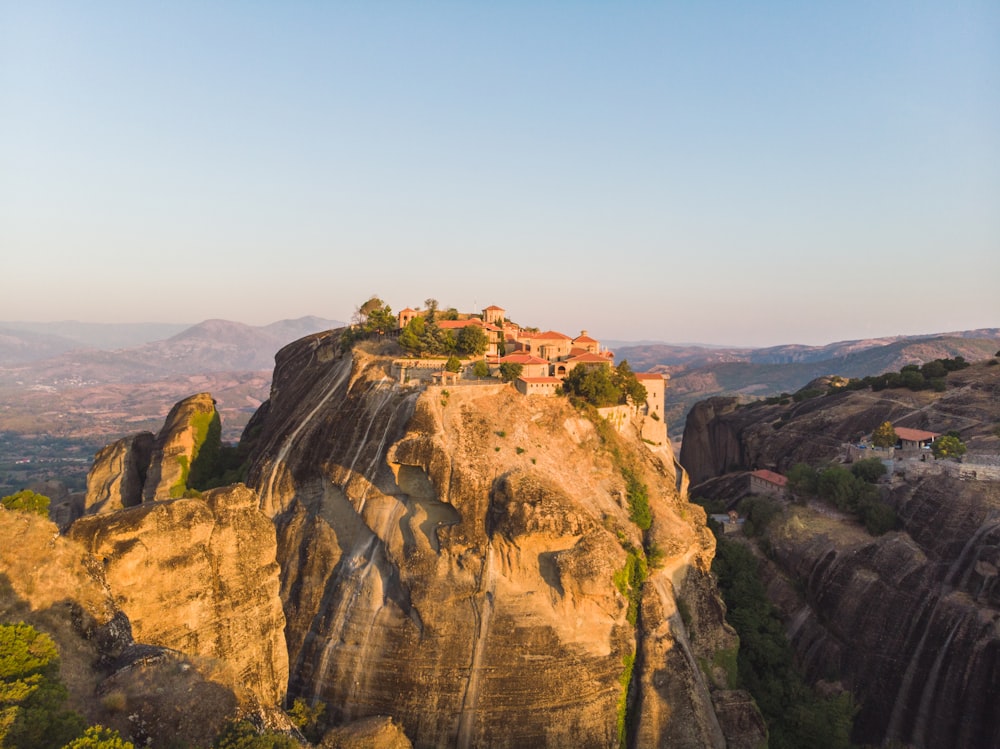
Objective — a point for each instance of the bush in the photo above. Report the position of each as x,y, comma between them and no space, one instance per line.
31,693
638,500
27,501
759,512
948,446
99,737
870,470
244,735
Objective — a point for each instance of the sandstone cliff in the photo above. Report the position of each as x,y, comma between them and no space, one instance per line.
151,695
141,468
909,621
199,576
723,435
454,558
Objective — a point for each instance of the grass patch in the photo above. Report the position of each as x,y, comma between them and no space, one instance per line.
628,661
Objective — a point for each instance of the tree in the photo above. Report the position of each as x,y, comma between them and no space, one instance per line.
629,387
870,470
243,735
884,435
432,307
27,501
31,693
948,446
453,364
412,339
480,369
99,737
308,719
594,384
802,479
510,371
472,341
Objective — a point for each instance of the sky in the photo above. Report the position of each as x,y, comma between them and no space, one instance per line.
717,172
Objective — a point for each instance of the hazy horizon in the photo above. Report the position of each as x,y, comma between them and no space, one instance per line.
735,176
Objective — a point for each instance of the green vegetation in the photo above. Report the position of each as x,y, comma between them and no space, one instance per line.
510,372
453,364
628,663
480,369
929,376
309,720
948,446
27,501
472,341
629,579
637,494
884,435
31,692
796,715
244,735
851,491
374,317
759,512
99,737
605,385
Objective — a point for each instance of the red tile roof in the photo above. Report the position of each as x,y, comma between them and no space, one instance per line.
914,435
648,376
589,359
521,359
585,339
770,476
454,324
493,306
551,334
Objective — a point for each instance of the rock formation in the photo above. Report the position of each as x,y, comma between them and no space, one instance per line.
454,558
117,476
152,695
199,576
909,622
141,468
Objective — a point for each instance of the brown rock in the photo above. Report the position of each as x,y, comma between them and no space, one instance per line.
116,478
199,576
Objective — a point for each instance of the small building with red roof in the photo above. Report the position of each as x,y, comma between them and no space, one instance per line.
913,439
767,482
531,366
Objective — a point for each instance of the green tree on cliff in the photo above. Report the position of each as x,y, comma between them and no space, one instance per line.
510,371
884,435
472,341
31,693
948,446
27,501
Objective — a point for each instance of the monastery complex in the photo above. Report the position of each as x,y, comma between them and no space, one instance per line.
545,358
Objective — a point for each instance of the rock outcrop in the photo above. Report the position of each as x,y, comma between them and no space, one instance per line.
199,576
118,474
454,558
723,435
177,447
141,468
152,695
909,622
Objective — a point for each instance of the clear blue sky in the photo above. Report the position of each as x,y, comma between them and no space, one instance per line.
724,172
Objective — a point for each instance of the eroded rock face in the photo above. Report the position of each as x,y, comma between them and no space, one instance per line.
141,468
909,621
176,447
449,556
199,576
116,478
152,696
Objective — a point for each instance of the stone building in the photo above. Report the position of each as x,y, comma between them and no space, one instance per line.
768,482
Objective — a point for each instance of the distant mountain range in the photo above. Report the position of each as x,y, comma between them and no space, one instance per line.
698,372
42,353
